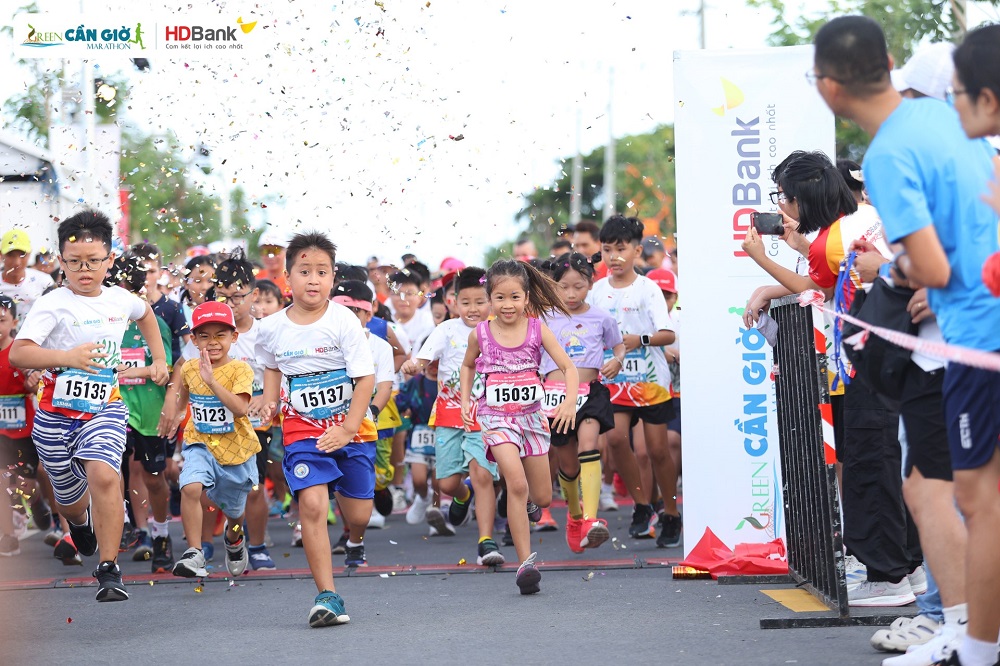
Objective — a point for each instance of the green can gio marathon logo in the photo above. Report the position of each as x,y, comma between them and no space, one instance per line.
98,39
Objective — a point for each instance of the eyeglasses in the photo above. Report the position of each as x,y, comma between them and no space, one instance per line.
235,299
778,197
951,93
77,265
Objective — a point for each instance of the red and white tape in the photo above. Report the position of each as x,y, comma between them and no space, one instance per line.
938,350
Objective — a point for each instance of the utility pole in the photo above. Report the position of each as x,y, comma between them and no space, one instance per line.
701,23
959,11
610,162
576,178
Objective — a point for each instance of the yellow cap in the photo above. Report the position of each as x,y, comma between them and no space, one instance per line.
15,240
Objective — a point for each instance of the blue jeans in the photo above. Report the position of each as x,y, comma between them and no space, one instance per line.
929,602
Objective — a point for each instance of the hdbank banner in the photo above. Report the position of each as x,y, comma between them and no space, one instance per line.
139,35
737,114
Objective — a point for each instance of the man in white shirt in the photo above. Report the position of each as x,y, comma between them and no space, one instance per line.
22,284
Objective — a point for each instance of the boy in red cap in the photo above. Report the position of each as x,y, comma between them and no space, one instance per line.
220,446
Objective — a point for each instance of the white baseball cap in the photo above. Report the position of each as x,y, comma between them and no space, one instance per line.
273,236
928,71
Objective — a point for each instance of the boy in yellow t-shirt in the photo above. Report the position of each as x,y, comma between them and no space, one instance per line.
219,443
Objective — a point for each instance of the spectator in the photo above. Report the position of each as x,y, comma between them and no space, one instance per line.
272,244
21,284
653,252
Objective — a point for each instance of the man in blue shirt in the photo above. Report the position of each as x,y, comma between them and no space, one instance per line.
924,177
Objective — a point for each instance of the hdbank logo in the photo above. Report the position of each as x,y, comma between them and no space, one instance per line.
732,97
247,28
211,33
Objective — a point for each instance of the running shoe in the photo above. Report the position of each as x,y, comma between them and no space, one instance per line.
458,512
489,554
918,631
607,500
130,537
84,538
260,559
297,535
208,549
66,551
399,504
354,556
143,547
377,520
340,547
545,523
163,555
109,582
641,527
52,536
41,514
528,576
574,533
417,513
669,531
383,502
882,593
918,580
534,512
437,520
620,489
854,571
508,538
191,564
9,546
938,650
328,610
595,532
236,556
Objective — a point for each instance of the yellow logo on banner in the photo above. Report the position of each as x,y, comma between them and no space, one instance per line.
246,27
733,96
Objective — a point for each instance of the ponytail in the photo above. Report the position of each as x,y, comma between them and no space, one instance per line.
540,289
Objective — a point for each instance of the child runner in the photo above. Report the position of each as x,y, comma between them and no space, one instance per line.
506,352
219,442
459,445
641,391
329,440
666,280
584,335
416,400
75,334
236,285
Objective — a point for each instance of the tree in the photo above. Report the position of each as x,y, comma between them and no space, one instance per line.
644,188
906,24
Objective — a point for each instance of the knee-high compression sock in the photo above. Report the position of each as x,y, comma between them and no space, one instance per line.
590,481
571,491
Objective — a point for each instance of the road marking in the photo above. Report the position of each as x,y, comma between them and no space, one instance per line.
797,600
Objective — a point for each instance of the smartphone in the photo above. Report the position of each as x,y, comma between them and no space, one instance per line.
768,224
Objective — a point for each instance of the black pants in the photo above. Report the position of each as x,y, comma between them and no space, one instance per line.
875,518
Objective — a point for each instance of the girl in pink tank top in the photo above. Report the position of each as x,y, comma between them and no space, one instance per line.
507,351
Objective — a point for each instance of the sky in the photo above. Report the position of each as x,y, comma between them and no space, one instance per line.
345,131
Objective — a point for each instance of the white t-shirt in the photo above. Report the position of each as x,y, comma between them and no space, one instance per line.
385,367
335,342
25,293
418,328
448,343
639,309
244,349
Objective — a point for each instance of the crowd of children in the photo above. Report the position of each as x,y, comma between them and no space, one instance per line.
129,396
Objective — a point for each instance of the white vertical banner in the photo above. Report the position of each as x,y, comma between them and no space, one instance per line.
737,114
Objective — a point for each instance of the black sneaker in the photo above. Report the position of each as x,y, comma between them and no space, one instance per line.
83,537
41,514
502,503
130,537
340,547
668,531
534,512
489,554
508,539
163,555
640,528
458,512
109,581
383,502
354,556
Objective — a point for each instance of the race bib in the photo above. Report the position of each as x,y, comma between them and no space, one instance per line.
83,392
422,440
555,395
210,416
13,412
322,395
635,367
513,390
133,357
255,421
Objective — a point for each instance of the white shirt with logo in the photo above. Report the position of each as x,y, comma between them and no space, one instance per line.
27,291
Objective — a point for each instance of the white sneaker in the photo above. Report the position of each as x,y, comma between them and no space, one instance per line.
883,593
918,580
377,521
437,520
399,504
417,512
607,501
855,572
191,564
297,536
916,632
938,649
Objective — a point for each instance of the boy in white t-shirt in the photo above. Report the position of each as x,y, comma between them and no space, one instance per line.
320,349
407,306
459,450
641,391
75,335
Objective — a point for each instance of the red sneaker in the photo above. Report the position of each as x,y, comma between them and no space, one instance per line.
595,532
546,523
574,531
620,488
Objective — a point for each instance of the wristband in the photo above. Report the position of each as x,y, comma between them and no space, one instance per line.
895,264
621,363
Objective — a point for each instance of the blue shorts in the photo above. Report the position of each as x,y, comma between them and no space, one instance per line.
64,444
226,485
454,449
972,414
349,471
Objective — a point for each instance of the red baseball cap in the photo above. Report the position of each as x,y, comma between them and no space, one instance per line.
212,312
664,279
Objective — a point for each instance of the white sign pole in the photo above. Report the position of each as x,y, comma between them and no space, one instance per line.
738,114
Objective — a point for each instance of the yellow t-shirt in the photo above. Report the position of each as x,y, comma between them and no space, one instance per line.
231,440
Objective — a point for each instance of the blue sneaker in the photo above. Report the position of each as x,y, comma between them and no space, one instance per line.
143,547
260,559
208,550
328,610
